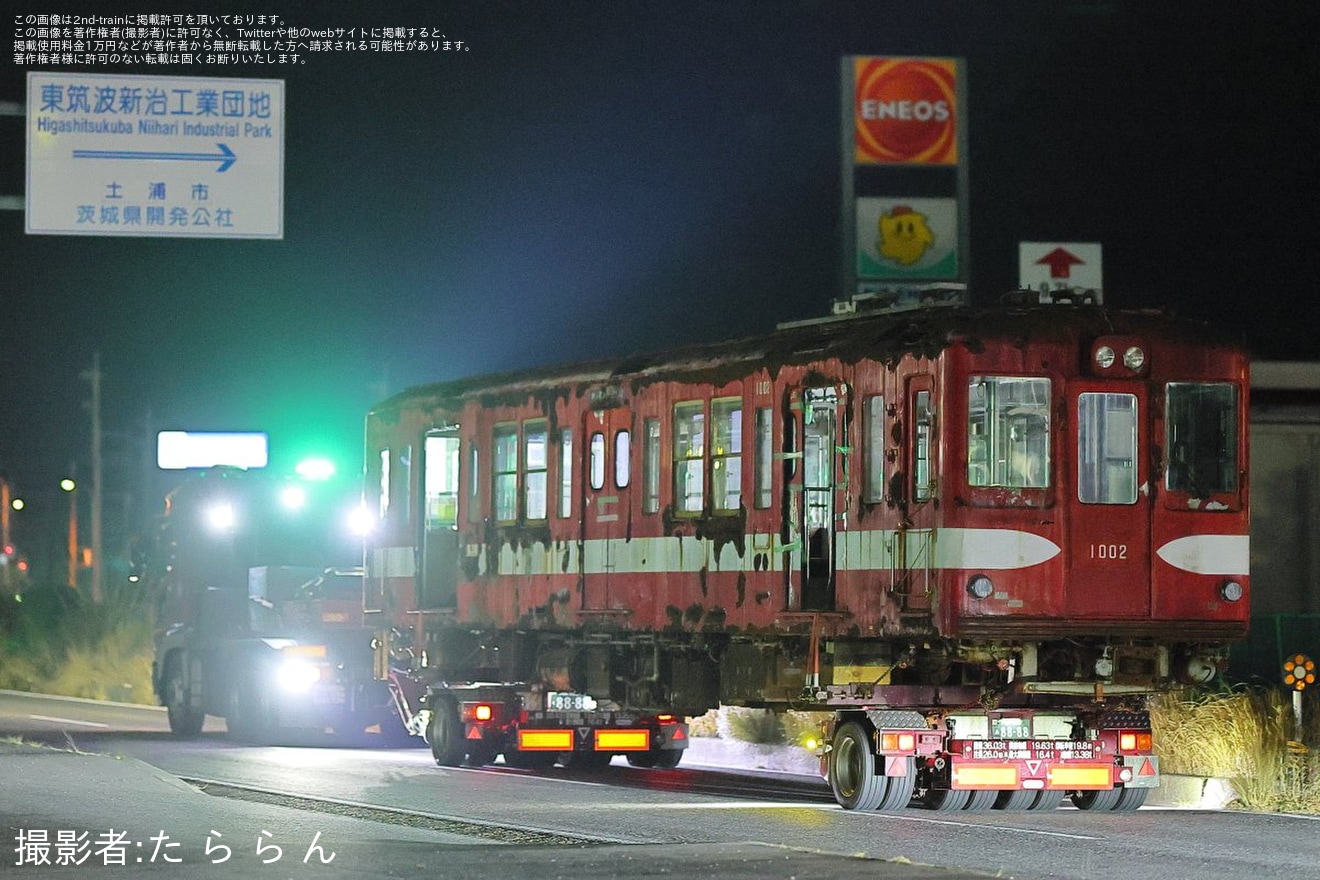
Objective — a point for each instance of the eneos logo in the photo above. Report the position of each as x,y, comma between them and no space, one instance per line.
905,110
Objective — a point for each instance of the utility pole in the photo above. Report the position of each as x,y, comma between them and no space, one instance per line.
93,376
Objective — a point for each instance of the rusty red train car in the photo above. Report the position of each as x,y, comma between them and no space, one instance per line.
978,536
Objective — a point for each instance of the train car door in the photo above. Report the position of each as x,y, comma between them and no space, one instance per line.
1109,508
605,509
816,490
439,519
912,552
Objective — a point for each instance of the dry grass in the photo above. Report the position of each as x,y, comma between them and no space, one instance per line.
758,725
56,642
1245,737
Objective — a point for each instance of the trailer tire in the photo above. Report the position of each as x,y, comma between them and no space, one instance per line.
945,799
981,800
185,719
658,759
899,789
1016,800
1100,801
1131,799
852,770
1046,801
445,734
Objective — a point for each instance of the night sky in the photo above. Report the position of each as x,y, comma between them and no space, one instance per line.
595,178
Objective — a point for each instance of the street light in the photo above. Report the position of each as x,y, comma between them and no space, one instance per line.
69,486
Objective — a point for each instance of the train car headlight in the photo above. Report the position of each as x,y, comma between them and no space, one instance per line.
1104,357
1134,359
980,587
1231,591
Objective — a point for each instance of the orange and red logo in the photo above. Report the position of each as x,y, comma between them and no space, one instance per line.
906,110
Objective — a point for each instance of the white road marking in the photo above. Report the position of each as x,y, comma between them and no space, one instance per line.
68,721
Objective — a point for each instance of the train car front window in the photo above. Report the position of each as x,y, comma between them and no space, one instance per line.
1201,421
1008,431
1107,448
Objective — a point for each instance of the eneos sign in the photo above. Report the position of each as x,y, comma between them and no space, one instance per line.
905,111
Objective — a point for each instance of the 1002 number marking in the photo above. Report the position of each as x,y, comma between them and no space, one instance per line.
1109,551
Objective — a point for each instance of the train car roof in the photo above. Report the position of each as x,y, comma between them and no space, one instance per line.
885,337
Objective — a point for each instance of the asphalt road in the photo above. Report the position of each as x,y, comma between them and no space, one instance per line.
628,822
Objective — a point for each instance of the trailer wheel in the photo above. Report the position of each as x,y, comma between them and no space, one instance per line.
899,789
1016,800
185,720
666,759
981,800
852,770
1046,801
945,799
445,734
1131,799
1097,800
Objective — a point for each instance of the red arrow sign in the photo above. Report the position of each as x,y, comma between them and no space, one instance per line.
1060,262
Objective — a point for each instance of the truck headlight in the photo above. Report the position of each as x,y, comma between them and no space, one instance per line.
297,675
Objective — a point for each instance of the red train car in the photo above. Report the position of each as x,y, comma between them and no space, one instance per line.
980,536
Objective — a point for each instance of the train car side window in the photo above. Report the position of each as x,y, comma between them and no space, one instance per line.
622,458
650,465
504,473
923,423
384,484
565,472
1201,422
689,457
874,414
726,454
597,464
535,463
474,486
1106,448
1008,432
405,484
764,453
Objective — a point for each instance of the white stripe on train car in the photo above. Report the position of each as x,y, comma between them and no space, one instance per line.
858,550
1209,554
992,549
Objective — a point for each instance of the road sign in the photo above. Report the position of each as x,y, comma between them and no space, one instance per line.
155,156
1046,266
